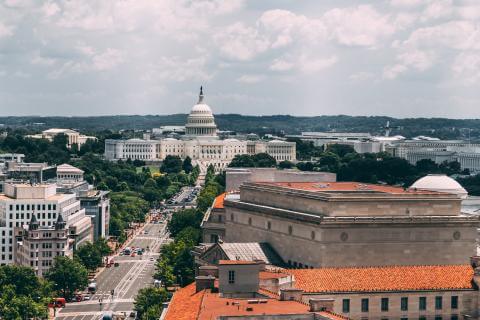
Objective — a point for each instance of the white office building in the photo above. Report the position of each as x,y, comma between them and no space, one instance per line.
20,201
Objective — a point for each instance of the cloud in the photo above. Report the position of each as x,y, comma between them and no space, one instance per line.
240,42
281,65
466,68
5,31
39,60
50,9
250,78
358,26
361,76
406,3
107,60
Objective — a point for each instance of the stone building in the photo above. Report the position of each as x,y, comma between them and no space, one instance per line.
350,224
37,246
21,201
201,143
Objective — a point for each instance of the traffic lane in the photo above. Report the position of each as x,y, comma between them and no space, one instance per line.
144,279
108,278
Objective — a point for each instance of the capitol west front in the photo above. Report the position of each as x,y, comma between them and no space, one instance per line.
200,142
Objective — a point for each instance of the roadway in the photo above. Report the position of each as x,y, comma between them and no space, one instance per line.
132,274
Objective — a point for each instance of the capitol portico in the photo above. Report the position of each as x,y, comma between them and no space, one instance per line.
200,142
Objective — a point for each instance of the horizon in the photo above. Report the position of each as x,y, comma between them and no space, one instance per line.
398,58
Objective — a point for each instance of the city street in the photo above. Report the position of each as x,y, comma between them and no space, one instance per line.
132,274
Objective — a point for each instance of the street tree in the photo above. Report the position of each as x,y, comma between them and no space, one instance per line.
67,275
148,302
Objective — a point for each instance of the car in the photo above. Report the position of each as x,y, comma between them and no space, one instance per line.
145,232
133,314
133,254
151,259
86,297
57,303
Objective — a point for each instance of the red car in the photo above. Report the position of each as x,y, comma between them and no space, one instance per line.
57,303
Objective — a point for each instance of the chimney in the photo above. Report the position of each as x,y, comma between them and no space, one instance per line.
317,305
204,282
475,261
261,264
291,294
208,271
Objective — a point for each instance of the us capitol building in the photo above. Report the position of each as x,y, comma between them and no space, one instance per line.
200,142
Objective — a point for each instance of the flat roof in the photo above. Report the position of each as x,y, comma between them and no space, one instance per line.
347,187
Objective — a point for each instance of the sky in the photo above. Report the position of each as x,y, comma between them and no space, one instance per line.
400,58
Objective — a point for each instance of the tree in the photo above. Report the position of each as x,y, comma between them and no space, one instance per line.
242,161
264,160
89,256
187,165
67,275
171,164
340,149
183,219
286,164
148,302
102,246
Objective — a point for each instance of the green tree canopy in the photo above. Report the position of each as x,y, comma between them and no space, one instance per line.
171,164
67,275
148,302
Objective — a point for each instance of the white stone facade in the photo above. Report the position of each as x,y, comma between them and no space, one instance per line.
200,143
73,137
21,201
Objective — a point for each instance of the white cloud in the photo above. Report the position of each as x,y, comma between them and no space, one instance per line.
438,9
250,78
5,31
107,60
281,65
312,65
391,72
406,3
50,9
39,60
240,42
358,26
466,68
361,76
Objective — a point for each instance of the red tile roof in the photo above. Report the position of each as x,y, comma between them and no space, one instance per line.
264,275
214,306
394,278
185,304
346,187
218,202
234,262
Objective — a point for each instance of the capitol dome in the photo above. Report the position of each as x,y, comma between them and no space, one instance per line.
200,121
440,183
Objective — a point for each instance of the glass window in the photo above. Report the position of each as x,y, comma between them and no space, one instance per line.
384,304
231,276
438,303
346,306
422,303
364,305
454,304
438,317
454,317
404,304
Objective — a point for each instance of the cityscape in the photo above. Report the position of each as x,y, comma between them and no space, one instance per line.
239,160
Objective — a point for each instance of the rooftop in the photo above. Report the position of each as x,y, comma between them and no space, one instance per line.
346,187
236,262
251,251
218,202
392,278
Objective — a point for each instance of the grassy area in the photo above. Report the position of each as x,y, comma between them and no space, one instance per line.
153,169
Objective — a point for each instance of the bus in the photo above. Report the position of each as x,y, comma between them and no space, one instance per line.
92,287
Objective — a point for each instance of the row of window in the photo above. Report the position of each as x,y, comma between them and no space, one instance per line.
43,215
404,305
32,207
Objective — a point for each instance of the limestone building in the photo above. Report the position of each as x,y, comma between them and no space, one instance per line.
201,143
311,224
37,246
73,137
21,201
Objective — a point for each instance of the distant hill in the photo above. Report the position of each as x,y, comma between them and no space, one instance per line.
436,127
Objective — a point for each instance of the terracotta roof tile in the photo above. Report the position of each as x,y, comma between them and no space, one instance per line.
218,202
185,304
394,278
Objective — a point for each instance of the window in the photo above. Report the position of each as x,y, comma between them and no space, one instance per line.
422,303
438,303
454,317
438,317
250,221
403,318
313,235
269,225
404,304
231,276
346,306
364,305
290,229
454,302
384,304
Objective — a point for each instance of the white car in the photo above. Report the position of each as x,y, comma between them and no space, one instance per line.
86,297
